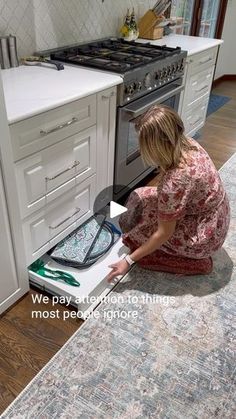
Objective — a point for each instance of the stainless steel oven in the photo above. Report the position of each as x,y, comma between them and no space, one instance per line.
152,74
129,167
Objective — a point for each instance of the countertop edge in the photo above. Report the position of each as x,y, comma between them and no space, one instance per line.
198,50
174,40
12,121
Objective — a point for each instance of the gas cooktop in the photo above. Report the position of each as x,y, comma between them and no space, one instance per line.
116,55
144,67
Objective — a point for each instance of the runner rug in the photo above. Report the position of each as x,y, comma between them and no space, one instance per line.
168,353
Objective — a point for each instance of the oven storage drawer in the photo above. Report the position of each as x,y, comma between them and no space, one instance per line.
44,176
50,225
41,131
202,60
199,85
195,116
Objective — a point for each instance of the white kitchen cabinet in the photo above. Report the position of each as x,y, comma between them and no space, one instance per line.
43,176
9,282
52,170
197,87
195,115
13,276
45,228
92,280
64,159
39,132
202,60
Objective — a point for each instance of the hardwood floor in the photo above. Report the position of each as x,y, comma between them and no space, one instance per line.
218,136
27,344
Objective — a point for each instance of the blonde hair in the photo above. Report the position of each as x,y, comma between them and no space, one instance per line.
161,138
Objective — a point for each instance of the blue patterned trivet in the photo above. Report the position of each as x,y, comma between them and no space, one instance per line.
86,245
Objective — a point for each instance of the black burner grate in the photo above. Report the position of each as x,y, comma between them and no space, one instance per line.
114,54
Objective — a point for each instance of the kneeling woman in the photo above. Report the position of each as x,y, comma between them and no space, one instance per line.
183,220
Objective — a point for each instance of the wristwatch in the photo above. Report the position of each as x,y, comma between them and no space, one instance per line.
129,260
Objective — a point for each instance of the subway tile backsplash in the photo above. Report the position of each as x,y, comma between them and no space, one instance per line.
44,24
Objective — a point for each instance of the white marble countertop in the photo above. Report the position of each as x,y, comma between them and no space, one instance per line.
30,90
191,44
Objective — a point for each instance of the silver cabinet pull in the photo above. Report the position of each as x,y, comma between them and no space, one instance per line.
75,164
195,122
58,127
206,61
104,97
202,88
66,219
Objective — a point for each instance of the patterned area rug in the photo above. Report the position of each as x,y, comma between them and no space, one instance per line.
175,360
216,102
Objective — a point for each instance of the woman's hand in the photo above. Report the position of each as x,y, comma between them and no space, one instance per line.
118,268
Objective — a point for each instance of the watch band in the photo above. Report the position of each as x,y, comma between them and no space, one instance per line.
129,260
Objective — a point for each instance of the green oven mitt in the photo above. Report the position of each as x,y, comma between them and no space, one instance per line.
39,268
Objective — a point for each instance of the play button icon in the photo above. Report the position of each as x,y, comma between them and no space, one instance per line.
104,206
116,209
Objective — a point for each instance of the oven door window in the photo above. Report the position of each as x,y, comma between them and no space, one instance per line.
133,143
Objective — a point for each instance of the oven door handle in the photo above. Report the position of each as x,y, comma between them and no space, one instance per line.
136,112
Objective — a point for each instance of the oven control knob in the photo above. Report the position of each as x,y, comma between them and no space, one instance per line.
174,68
148,81
139,86
132,88
129,89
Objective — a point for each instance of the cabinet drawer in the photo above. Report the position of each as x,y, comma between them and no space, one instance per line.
44,176
201,61
198,85
93,282
39,132
195,117
50,225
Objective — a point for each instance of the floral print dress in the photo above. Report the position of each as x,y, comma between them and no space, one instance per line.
194,196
